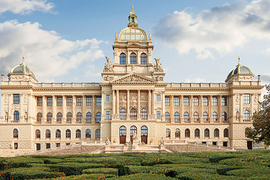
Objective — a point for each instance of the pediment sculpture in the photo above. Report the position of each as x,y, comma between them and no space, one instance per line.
108,67
157,66
133,79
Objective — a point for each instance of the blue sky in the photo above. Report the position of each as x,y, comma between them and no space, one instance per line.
197,40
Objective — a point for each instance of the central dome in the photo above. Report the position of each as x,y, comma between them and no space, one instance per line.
22,68
133,34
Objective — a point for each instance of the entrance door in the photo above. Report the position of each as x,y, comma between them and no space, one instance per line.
122,134
249,144
133,129
144,134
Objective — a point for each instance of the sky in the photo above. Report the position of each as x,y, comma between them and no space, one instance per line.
197,40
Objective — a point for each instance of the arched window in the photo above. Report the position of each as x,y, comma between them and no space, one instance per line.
97,133
39,116
122,131
224,116
167,116
133,58
196,116
214,115
88,133
143,59
216,133
197,133
246,115
16,116
15,133
78,133
49,117
79,117
69,117
98,117
68,133
59,117
206,133
177,133
88,117
133,129
58,134
168,133
133,114
48,133
226,132
144,131
205,116
37,134
143,114
186,116
176,116
122,59
187,133
123,114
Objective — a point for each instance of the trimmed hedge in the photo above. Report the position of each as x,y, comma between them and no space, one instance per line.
101,171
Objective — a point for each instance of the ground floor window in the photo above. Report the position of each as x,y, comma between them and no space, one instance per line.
48,145
57,144
225,144
15,145
38,147
214,143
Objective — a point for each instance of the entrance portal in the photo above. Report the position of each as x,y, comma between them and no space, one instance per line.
249,144
133,129
122,134
144,134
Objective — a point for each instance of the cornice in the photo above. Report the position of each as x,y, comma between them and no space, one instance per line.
246,87
16,87
65,88
197,88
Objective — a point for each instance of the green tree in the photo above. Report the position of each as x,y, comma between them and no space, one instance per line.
261,121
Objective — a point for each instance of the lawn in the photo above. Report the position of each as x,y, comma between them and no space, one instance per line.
185,166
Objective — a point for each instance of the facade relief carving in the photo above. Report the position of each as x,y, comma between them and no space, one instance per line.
6,98
25,98
123,97
256,98
108,67
237,98
133,79
144,97
133,98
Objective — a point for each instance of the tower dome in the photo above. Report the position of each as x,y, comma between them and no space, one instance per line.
239,70
23,69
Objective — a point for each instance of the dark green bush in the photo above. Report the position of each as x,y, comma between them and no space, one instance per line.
155,161
219,158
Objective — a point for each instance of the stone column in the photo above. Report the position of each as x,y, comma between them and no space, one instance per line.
64,108
30,115
73,109
171,108
139,105
10,102
251,105
21,118
210,109
54,109
44,108
191,109
149,103
83,108
103,99
117,102
93,108
128,110
113,103
241,108
220,108
201,108
181,109
153,104
2,109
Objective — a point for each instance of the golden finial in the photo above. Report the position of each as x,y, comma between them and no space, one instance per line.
132,8
115,35
239,60
23,58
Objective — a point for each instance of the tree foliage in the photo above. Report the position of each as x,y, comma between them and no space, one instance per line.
261,121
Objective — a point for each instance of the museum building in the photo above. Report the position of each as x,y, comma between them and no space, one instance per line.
132,98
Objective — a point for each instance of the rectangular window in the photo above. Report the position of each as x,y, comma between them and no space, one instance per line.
79,101
57,144
195,101
224,101
108,114
246,98
16,98
40,101
186,101
15,145
49,101
108,98
167,101
88,101
158,97
176,101
205,101
214,101
59,101
98,101
38,146
69,101
158,114
48,145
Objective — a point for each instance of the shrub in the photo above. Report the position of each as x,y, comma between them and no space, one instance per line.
101,171
155,161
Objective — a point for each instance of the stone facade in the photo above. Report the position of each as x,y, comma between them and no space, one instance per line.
132,97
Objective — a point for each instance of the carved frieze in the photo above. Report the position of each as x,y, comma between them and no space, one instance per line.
144,97
134,79
6,98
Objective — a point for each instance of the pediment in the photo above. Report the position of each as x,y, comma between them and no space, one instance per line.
134,79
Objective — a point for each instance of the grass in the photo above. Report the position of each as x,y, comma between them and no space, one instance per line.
183,166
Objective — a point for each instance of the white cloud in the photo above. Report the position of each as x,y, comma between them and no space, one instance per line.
220,29
92,71
46,53
25,6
